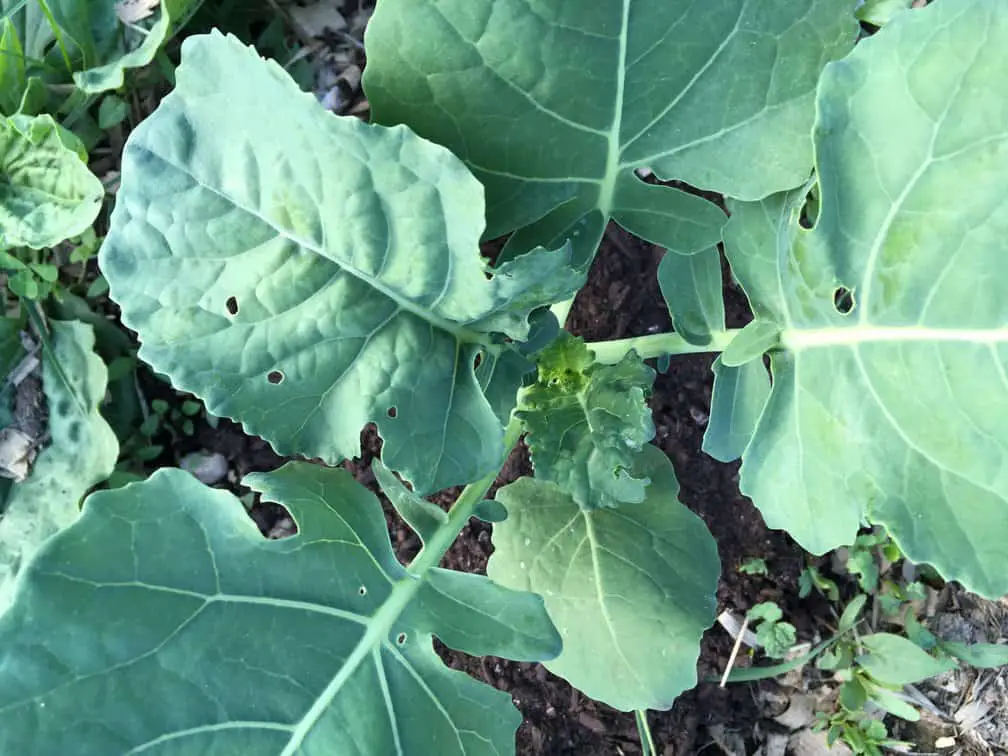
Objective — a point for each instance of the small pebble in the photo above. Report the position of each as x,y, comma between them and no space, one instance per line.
206,467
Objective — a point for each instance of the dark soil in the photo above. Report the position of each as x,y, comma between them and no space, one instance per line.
621,299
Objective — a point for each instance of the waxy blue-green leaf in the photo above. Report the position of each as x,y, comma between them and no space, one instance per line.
630,589
47,193
692,288
423,516
587,422
751,343
81,452
554,104
310,284
737,401
895,411
187,632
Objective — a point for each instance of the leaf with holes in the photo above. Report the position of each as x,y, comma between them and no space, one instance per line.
890,384
170,575
587,422
81,452
630,589
310,285
554,104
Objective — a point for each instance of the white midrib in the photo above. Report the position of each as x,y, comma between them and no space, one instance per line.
612,168
798,339
381,624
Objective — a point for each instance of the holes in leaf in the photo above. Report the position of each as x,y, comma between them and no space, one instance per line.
275,377
232,305
810,210
843,300
478,360
392,412
401,639
362,591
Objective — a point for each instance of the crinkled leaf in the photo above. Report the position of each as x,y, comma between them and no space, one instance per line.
895,412
553,104
149,608
630,589
309,285
586,422
738,398
81,452
47,192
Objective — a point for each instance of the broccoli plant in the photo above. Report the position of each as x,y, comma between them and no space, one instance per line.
307,274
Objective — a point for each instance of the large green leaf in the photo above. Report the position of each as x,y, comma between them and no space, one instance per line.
187,632
553,104
586,423
47,192
896,411
81,452
630,589
310,284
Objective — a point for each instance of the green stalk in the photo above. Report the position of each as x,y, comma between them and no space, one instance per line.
461,511
403,593
644,731
659,345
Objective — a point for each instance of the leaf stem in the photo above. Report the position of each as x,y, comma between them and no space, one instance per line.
403,592
644,731
461,511
659,345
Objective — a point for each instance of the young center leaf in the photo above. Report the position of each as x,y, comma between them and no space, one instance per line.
631,590
47,192
553,104
81,452
587,422
186,631
307,274
890,397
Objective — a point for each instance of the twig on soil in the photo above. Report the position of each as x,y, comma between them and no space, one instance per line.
734,652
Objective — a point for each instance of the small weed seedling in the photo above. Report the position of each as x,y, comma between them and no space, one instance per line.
871,668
